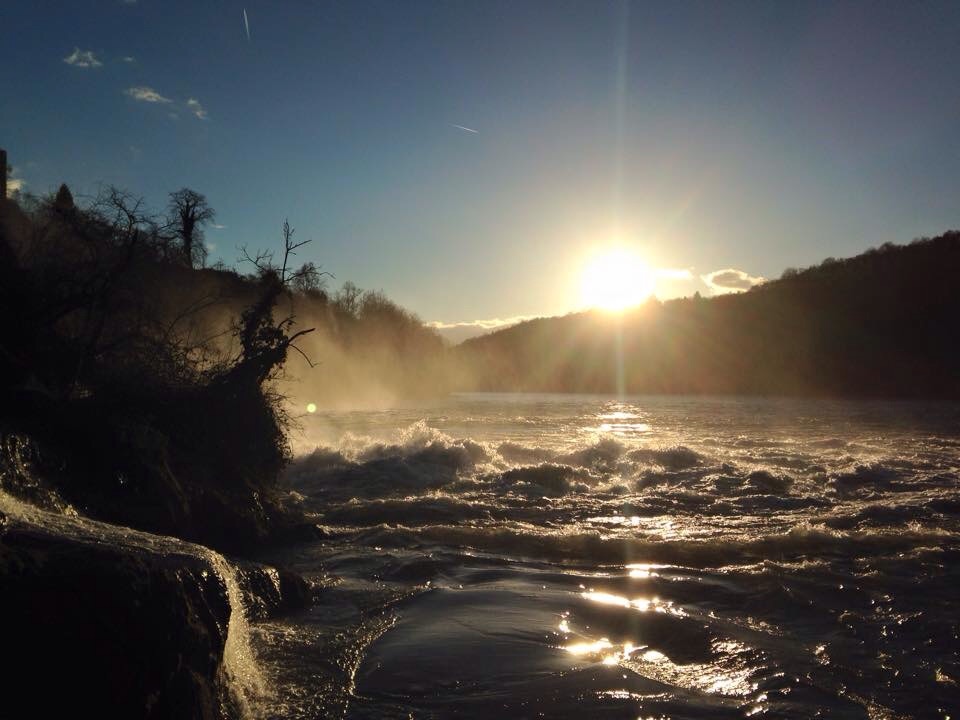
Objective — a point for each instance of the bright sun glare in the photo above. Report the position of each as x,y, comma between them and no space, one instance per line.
615,280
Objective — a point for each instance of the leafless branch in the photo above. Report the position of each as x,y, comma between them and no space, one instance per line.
262,260
310,362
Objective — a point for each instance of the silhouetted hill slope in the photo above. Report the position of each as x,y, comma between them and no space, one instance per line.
884,323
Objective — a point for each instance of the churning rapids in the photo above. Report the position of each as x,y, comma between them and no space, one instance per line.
569,556
527,556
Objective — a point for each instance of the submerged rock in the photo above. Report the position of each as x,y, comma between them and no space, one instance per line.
271,592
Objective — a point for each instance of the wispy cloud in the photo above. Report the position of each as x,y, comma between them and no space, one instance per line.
196,108
246,24
216,226
464,128
146,94
82,59
730,280
460,331
128,59
491,324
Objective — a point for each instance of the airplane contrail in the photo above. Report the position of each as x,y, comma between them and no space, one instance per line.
466,129
246,24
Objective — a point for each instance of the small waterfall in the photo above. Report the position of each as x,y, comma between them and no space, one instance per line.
239,661
246,682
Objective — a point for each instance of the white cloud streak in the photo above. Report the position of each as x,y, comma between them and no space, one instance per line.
246,24
143,93
460,331
465,129
82,59
730,280
196,108
491,324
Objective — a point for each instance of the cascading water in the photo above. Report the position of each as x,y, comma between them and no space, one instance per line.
246,683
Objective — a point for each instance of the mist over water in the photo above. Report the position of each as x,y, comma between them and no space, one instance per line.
560,556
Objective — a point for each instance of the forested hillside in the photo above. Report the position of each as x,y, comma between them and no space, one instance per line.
883,323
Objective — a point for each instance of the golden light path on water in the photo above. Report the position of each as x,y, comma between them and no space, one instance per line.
622,422
728,676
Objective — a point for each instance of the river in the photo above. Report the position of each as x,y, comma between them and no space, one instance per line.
524,556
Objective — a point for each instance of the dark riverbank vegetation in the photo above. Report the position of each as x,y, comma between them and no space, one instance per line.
885,323
162,387
101,365
143,403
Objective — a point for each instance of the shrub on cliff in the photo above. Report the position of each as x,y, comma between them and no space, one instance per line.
153,423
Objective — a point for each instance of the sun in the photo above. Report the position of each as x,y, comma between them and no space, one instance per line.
616,279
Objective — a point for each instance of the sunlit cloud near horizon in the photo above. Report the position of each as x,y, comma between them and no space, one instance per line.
730,280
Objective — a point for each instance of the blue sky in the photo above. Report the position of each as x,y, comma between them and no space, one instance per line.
706,136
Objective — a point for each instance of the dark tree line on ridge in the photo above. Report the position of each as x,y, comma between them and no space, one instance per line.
885,323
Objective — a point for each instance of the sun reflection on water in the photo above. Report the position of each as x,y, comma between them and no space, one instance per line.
642,604
619,415
633,520
588,648
643,570
729,673
728,676
621,422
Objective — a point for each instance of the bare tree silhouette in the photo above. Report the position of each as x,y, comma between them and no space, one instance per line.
265,341
188,213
